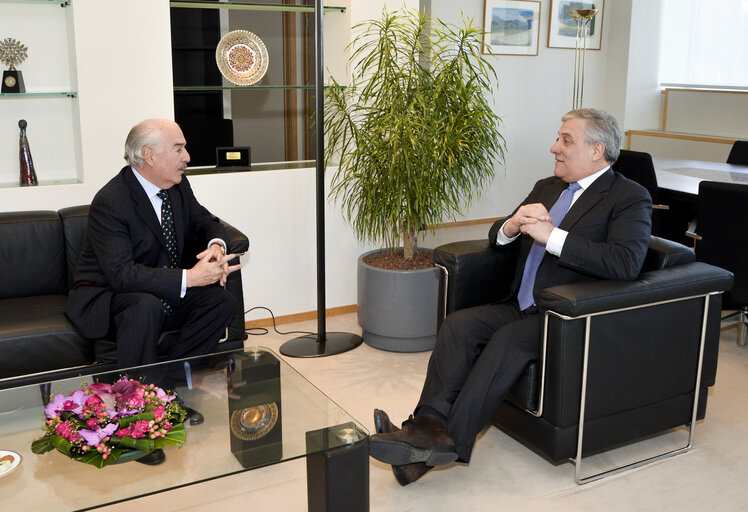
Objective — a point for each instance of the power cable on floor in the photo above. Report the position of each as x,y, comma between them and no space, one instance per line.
262,330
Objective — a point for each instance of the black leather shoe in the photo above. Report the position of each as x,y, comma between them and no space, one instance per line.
382,422
404,473
154,458
194,417
421,439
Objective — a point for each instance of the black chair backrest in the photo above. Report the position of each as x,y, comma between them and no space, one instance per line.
739,153
720,221
638,166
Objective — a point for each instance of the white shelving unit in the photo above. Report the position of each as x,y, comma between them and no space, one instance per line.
50,105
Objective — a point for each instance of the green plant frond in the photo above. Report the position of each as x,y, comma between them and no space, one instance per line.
415,132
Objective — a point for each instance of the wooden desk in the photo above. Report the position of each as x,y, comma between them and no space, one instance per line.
678,181
684,175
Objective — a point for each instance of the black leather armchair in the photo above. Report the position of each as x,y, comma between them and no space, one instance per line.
622,359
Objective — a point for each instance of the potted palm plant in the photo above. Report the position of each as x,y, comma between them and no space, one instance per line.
416,138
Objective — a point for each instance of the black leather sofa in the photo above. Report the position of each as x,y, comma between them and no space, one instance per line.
642,357
38,252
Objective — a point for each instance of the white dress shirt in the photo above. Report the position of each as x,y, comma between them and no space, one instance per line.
152,191
558,236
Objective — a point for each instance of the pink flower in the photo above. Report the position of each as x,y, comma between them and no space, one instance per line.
158,412
123,432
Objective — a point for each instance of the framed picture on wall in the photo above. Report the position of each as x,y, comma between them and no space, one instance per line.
511,27
562,30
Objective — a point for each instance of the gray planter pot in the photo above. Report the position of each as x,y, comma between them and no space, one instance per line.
400,310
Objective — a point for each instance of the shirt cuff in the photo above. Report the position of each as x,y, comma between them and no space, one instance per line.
183,290
502,239
223,244
556,241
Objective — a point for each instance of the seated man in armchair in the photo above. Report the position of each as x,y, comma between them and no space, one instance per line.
128,281
586,222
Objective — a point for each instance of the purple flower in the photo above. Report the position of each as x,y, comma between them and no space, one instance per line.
73,403
161,394
94,437
105,392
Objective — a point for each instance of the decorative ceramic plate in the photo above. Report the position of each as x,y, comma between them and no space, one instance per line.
8,462
242,57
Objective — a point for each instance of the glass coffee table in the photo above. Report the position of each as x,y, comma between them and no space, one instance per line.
258,411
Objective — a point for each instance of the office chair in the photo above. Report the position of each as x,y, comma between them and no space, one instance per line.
638,166
720,240
739,153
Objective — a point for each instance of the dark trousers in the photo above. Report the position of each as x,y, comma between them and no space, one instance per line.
480,353
138,320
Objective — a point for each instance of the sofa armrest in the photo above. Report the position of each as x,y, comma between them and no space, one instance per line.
478,273
591,297
238,241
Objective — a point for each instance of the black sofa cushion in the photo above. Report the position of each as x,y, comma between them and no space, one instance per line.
33,262
38,325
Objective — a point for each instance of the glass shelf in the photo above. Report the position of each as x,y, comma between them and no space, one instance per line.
253,6
259,166
71,94
204,88
43,183
63,3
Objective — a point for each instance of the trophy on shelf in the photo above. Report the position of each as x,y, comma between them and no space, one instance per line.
12,53
28,175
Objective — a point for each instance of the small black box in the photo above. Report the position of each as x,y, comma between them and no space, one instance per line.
254,400
234,159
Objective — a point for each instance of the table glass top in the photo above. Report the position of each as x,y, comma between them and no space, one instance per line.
258,411
685,175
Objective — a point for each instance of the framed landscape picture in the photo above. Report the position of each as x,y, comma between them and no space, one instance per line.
511,26
562,30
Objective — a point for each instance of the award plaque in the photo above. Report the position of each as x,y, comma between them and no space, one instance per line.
12,53
234,159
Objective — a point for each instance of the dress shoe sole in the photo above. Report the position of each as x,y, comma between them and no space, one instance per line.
399,452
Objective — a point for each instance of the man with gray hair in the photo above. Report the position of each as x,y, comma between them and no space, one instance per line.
131,281
481,352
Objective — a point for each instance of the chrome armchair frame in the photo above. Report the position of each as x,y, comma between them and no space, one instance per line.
577,461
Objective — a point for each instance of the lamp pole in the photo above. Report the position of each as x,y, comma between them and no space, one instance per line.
324,343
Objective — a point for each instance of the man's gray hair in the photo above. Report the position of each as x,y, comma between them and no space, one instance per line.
600,127
141,135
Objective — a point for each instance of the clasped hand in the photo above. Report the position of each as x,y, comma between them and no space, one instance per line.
212,266
531,219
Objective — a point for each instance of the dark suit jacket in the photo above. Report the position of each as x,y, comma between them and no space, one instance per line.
124,249
609,227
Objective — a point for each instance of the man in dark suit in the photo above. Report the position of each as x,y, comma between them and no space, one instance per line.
129,281
586,222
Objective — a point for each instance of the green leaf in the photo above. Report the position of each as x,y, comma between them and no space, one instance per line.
61,444
42,445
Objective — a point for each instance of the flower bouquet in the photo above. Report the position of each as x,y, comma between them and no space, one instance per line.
101,422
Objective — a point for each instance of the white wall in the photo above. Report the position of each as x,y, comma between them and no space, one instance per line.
533,93
129,79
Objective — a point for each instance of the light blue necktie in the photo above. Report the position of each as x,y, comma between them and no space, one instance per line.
537,251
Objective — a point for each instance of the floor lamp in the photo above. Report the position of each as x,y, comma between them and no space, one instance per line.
583,18
323,343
